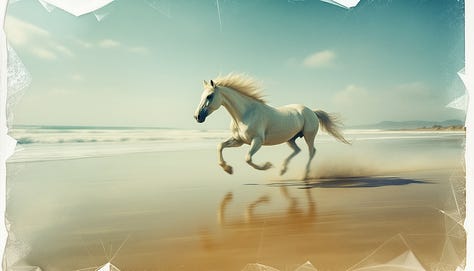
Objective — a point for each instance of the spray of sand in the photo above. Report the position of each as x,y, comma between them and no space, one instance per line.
372,164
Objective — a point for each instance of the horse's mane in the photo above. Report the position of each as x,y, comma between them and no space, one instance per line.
243,84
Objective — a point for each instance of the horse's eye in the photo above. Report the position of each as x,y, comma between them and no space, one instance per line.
210,96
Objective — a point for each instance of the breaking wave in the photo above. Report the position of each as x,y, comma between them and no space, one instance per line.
40,143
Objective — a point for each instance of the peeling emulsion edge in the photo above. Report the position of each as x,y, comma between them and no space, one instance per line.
6,143
469,151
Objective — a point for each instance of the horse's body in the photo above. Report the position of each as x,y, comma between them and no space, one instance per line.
256,123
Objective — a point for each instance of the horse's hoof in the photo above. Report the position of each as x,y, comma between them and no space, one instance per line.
228,196
228,169
267,166
282,171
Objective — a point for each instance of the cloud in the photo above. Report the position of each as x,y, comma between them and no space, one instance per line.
139,50
58,91
23,34
351,95
64,50
43,53
406,93
412,90
82,43
407,101
358,105
319,59
77,77
108,43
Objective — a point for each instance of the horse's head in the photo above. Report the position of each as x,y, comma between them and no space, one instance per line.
211,100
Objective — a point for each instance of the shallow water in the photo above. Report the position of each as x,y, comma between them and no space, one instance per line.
387,195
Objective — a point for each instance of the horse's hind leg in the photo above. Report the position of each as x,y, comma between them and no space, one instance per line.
229,143
309,138
295,149
254,147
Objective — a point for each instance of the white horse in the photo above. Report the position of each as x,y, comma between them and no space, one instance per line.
256,123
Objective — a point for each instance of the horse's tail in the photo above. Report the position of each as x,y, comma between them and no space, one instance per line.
331,124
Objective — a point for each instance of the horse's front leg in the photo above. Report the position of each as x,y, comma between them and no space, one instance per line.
223,207
254,147
229,143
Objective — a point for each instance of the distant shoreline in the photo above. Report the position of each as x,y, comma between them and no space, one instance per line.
437,128
416,125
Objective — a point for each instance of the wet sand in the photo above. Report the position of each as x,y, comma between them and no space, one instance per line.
180,211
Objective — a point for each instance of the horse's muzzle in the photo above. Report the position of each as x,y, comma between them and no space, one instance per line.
201,117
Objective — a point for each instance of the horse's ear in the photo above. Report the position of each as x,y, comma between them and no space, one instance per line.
213,84
205,83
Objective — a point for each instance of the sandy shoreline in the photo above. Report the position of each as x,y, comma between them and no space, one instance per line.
180,211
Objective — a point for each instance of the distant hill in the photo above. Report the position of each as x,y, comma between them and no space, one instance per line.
409,125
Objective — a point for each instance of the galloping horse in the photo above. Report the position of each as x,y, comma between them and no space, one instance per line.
256,123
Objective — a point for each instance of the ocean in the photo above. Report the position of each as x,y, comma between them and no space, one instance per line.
44,143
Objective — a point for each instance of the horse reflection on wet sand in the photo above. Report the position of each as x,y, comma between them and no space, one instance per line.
293,211
255,232
286,229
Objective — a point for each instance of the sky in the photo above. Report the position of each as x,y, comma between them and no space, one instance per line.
144,62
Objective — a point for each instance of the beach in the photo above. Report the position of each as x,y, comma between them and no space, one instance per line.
392,199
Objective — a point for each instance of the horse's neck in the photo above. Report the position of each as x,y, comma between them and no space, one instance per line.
236,104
